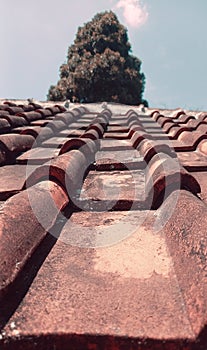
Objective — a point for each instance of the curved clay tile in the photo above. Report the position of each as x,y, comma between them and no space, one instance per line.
134,128
177,130
44,112
68,170
75,113
184,119
35,105
56,125
202,147
45,134
169,125
11,145
10,104
107,112
82,109
27,108
202,116
133,116
134,122
202,127
65,117
3,113
54,110
30,116
15,121
90,134
5,126
31,130
102,121
86,146
61,108
36,209
162,120
155,115
97,127
165,175
149,148
194,123
176,114
138,137
131,112
14,110
192,138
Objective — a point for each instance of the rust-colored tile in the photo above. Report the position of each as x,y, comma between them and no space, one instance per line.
56,125
15,121
44,112
165,175
114,186
118,135
53,109
14,110
123,290
192,138
39,122
11,145
186,239
35,105
193,161
61,108
149,148
91,134
71,132
202,147
44,134
138,137
68,169
176,114
3,112
87,146
115,145
177,130
9,103
12,179
24,221
100,128
184,119
5,126
38,155
119,160
66,117
30,130
30,116
115,129
53,142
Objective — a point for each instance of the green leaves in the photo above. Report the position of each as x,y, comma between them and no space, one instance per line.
99,66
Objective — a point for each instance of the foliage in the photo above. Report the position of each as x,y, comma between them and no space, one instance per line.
99,65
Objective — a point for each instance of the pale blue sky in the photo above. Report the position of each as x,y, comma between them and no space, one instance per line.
171,42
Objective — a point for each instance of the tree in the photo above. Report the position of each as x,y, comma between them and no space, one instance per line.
99,65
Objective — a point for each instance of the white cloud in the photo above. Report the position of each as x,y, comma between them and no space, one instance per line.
135,14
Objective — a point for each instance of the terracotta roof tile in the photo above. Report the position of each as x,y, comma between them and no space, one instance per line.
16,249
15,121
30,116
11,145
102,227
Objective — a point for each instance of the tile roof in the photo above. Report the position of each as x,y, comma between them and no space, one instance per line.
102,227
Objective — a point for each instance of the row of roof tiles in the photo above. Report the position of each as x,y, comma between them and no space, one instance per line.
57,165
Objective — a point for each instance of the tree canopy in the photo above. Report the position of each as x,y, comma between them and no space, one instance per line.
99,65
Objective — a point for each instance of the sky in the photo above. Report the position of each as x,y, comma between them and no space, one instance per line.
170,38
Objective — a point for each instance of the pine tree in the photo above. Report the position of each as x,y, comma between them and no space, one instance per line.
99,65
